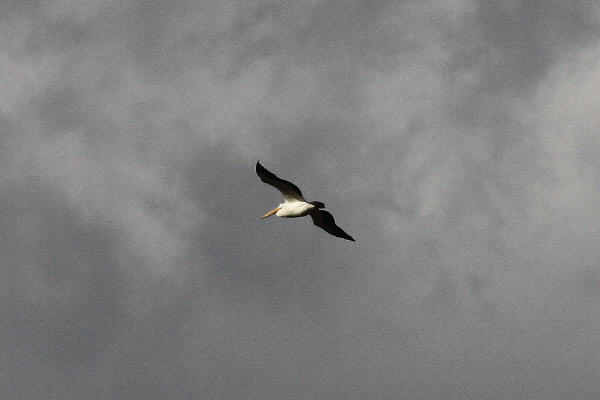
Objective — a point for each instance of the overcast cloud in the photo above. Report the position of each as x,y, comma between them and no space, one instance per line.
457,141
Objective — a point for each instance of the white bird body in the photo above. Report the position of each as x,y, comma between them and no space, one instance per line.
294,209
295,205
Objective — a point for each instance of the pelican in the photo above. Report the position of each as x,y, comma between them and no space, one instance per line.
294,205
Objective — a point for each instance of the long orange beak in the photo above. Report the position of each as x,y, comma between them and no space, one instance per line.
271,212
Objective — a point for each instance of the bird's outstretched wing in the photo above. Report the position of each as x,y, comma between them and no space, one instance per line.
289,191
325,220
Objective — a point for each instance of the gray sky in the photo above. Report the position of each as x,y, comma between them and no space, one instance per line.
457,141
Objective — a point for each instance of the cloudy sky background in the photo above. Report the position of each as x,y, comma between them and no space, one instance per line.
457,141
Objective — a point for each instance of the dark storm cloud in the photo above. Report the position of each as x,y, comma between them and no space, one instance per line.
455,141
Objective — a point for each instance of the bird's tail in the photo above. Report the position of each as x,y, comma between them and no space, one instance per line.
317,204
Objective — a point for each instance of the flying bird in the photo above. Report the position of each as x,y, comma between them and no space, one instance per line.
294,205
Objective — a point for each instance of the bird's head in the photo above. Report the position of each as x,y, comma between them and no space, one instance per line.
317,204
